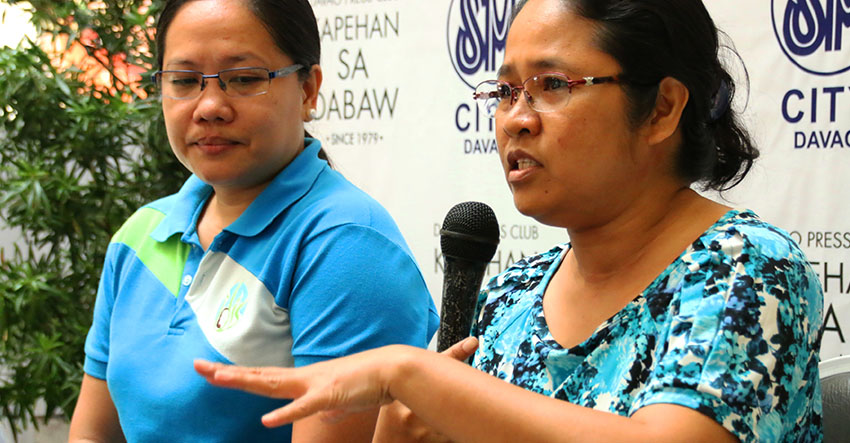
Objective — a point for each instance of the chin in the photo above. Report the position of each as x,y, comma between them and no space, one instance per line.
527,206
216,178
537,210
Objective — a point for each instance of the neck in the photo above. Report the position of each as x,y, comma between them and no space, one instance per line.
224,207
660,224
227,204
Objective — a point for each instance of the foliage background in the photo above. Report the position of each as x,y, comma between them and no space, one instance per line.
83,146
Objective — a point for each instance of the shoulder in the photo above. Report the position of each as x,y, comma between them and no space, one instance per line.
743,251
749,276
741,244
743,235
144,220
336,203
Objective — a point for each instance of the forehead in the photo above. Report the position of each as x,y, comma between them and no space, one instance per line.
547,35
221,30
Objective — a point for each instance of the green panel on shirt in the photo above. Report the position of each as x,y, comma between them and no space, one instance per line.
165,260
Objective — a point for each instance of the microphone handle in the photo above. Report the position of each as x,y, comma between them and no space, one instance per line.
461,285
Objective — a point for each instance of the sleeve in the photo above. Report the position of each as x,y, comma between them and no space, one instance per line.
743,346
97,340
354,290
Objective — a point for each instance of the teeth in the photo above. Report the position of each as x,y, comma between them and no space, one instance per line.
526,163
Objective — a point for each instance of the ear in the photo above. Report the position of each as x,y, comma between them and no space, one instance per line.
310,92
669,105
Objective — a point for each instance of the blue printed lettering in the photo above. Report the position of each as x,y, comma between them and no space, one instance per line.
799,116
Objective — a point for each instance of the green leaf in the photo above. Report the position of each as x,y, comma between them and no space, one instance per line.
62,85
73,167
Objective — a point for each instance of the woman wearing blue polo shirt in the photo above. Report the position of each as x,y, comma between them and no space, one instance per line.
266,256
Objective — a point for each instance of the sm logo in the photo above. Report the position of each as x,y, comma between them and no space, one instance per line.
477,30
814,34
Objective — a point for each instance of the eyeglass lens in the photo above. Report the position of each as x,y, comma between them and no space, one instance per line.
239,82
544,93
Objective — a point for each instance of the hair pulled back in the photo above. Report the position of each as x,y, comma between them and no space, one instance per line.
291,24
654,39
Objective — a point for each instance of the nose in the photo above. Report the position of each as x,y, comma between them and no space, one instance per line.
519,119
213,104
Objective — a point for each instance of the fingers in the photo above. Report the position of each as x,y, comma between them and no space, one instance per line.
270,382
298,409
206,368
340,386
462,349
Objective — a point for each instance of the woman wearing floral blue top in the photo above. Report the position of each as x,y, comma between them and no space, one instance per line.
722,330
666,317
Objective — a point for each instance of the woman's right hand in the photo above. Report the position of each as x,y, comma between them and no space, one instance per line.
398,424
332,388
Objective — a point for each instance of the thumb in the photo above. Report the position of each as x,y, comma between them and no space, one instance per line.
299,408
462,349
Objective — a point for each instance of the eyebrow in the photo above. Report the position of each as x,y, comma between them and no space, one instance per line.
537,65
231,60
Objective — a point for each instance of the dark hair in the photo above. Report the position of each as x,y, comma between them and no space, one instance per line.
291,24
654,39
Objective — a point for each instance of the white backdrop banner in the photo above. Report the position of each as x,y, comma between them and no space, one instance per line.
396,116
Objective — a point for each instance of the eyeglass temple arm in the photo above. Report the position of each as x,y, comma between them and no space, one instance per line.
491,94
283,72
590,81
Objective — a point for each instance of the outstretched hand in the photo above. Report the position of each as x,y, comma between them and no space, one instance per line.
333,388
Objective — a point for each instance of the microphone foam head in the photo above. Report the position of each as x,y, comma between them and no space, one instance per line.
470,232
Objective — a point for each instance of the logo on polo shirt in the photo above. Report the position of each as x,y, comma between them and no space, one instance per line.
231,308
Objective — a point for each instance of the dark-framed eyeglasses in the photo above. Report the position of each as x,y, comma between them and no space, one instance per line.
546,92
235,82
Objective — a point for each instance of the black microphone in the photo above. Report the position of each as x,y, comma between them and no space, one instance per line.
468,239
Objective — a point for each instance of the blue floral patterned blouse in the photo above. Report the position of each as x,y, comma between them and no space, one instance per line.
730,329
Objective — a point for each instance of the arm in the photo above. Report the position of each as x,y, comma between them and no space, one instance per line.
454,399
504,411
95,418
397,423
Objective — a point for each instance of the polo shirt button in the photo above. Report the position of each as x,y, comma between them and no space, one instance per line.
187,280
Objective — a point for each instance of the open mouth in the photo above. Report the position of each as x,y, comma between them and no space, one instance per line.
523,163
521,166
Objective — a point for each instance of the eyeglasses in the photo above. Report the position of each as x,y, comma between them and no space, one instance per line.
236,82
545,92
